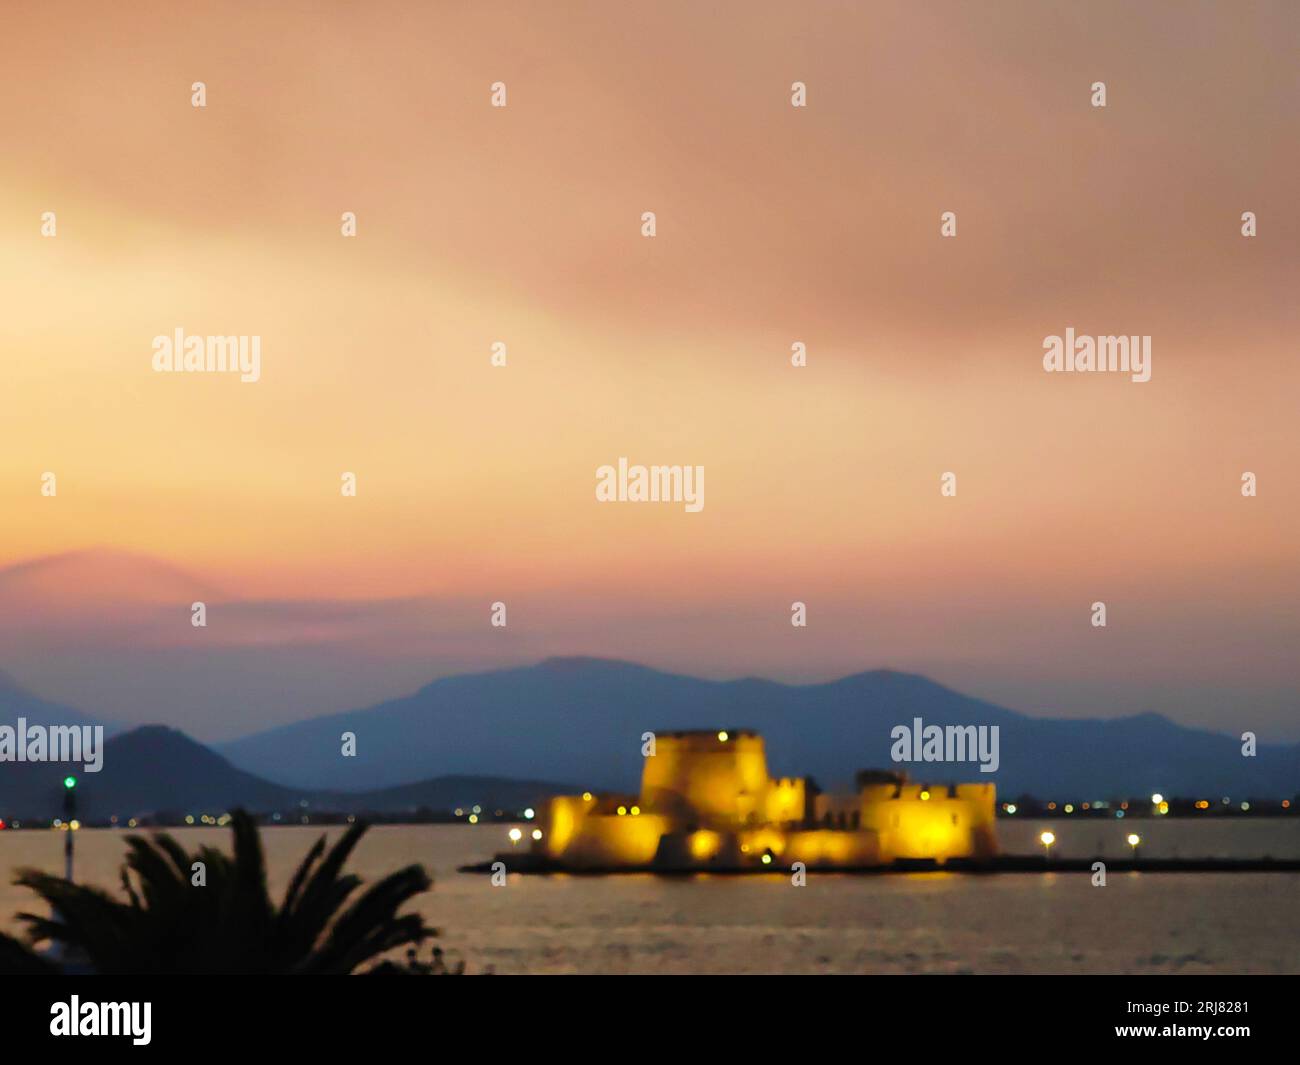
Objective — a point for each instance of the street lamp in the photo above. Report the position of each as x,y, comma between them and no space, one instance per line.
69,815
1047,839
1133,840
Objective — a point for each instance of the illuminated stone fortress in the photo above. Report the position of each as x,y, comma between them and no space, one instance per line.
707,802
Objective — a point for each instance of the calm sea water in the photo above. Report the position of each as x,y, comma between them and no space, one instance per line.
932,922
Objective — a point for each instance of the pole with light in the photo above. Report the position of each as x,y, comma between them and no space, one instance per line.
69,815
1133,840
1047,839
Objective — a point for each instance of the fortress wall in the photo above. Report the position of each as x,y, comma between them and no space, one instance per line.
611,840
785,801
981,801
939,827
822,846
562,819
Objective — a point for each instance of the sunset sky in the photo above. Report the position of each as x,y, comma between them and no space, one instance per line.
775,225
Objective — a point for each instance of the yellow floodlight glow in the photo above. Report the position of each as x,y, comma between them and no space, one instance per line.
704,844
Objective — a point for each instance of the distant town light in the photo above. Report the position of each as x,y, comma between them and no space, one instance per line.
1048,838
622,810
767,859
1245,806
636,811
586,796
69,782
1011,807
925,795
473,819
1134,839
528,814
1069,807
1157,799
537,833
722,736
515,835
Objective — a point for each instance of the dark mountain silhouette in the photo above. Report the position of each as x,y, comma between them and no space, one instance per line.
153,770
582,719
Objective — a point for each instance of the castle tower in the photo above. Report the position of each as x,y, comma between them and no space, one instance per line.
707,778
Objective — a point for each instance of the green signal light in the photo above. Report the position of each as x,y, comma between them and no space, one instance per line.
69,782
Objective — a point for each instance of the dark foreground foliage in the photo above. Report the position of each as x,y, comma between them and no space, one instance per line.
230,925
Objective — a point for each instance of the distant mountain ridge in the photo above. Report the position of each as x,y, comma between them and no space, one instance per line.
582,719
154,769
16,701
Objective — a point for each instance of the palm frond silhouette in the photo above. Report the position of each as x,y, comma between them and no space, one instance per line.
230,925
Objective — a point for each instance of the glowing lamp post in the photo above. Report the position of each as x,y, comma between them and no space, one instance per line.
1047,839
1133,840
69,817
515,837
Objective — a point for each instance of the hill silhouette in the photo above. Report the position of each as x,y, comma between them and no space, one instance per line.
154,770
582,719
